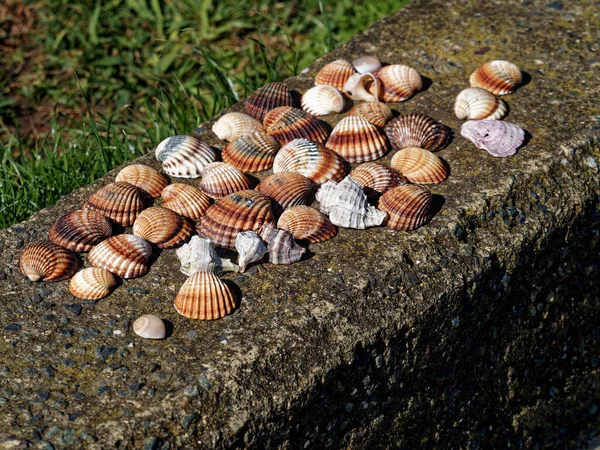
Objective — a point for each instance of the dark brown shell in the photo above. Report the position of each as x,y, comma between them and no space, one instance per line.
80,230
119,201
286,189
417,130
149,181
220,179
357,140
286,124
377,113
125,255
306,223
408,207
268,97
252,153
376,178
335,73
189,201
204,296
46,261
163,227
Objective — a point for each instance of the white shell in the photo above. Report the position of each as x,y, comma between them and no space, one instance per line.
498,138
355,87
236,124
250,247
366,64
199,255
322,100
282,246
150,326
184,156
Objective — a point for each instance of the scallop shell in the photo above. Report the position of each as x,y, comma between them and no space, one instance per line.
281,245
221,179
124,255
92,283
366,64
149,181
376,178
241,211
287,123
286,189
420,166
80,230
190,160
174,144
364,86
119,201
163,227
417,130
399,83
189,201
204,297
498,138
306,223
46,261
408,207
315,161
357,140
199,255
250,247
253,153
234,125
335,74
477,104
150,326
498,77
268,97
377,113
322,100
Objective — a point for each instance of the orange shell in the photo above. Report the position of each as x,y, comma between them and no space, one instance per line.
420,166
92,283
335,73
287,123
119,201
268,97
46,261
498,77
417,130
149,181
286,189
189,201
357,140
80,230
253,153
408,207
220,179
304,222
399,83
124,255
376,178
377,113
478,104
162,227
204,296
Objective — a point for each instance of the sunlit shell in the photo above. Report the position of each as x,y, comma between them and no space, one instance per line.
357,140
234,125
149,181
498,138
46,261
149,326
366,87
315,161
189,161
250,247
80,230
376,178
189,201
281,245
287,123
173,145
268,97
199,255
366,64
119,201
477,104
322,100
163,227
252,153
335,74
124,255
399,83
241,211
204,296
377,113
92,283
221,179
306,223
408,207
286,189
420,166
498,77
417,130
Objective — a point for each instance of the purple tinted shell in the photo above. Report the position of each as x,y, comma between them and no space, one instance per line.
499,138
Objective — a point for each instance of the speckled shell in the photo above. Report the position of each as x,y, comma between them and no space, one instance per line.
221,179
286,189
250,247
234,125
242,211
46,261
306,223
366,64
377,113
335,73
189,201
376,178
281,245
498,138
420,166
322,100
189,161
252,153
477,104
268,97
417,130
408,207
357,140
315,161
399,83
163,227
92,283
119,201
149,326
498,77
287,123
124,255
366,87
80,230
149,181
204,297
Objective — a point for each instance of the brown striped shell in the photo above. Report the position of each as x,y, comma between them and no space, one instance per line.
306,223
408,207
92,283
287,123
46,261
163,227
268,97
498,77
417,130
119,201
286,189
376,178
189,201
477,104
252,153
190,160
234,125
221,179
322,100
377,113
399,83
335,73
281,245
80,230
204,296
125,255
357,140
420,166
149,181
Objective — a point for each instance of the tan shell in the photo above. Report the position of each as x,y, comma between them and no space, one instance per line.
119,201
149,181
335,73
189,201
150,326
478,104
366,64
417,130
376,178
420,166
80,230
188,161
124,255
163,227
268,97
287,123
399,83
252,153
357,140
92,283
204,297
322,100
408,207
234,125
46,261
366,87
221,179
306,223
286,189
377,113
498,77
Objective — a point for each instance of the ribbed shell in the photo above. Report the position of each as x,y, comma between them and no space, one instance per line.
417,130
315,161
281,245
234,125
173,145
189,161
478,104
124,255
149,181
357,140
420,166
377,113
376,178
92,283
286,189
119,201
46,261
366,64
204,296
408,207
80,230
163,227
189,201
399,83
498,77
221,179
322,100
252,153
268,97
287,123
306,223
150,326
335,73
242,211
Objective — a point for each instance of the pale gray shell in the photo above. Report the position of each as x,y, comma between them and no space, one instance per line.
184,156
322,100
359,85
498,138
281,244
366,64
149,326
236,124
199,255
477,104
250,247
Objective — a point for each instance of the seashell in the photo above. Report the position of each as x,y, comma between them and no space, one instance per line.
92,283
477,104
357,140
149,181
287,123
322,100
377,113
268,97
250,247
399,83
241,211
315,161
497,137
234,125
189,201
199,255
335,73
46,261
408,206
125,255
150,326
252,153
162,227
306,223
498,77
174,144
221,179
286,189
190,160
376,178
417,130
420,166
119,201
281,245
364,86
80,230
347,206
366,64
204,296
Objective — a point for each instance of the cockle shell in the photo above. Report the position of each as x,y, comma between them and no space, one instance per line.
174,144
80,230
125,255
220,179
234,125
252,153
287,123
199,255
204,297
119,201
92,283
268,97
357,140
306,223
150,326
250,247
366,64
163,227
497,137
188,161
282,247
476,104
335,73
285,189
376,178
498,77
347,206
420,166
417,130
377,113
399,83
408,206
46,261
364,86
322,100
189,201
149,181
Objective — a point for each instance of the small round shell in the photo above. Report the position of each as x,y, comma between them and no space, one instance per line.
92,283
477,104
399,83
408,207
357,140
417,130
366,64
80,230
149,326
162,227
286,189
125,255
498,77
287,123
46,261
119,201
149,181
376,178
221,179
189,201
420,166
377,113
322,100
253,153
268,97
234,125
204,297
190,160
335,74
306,223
